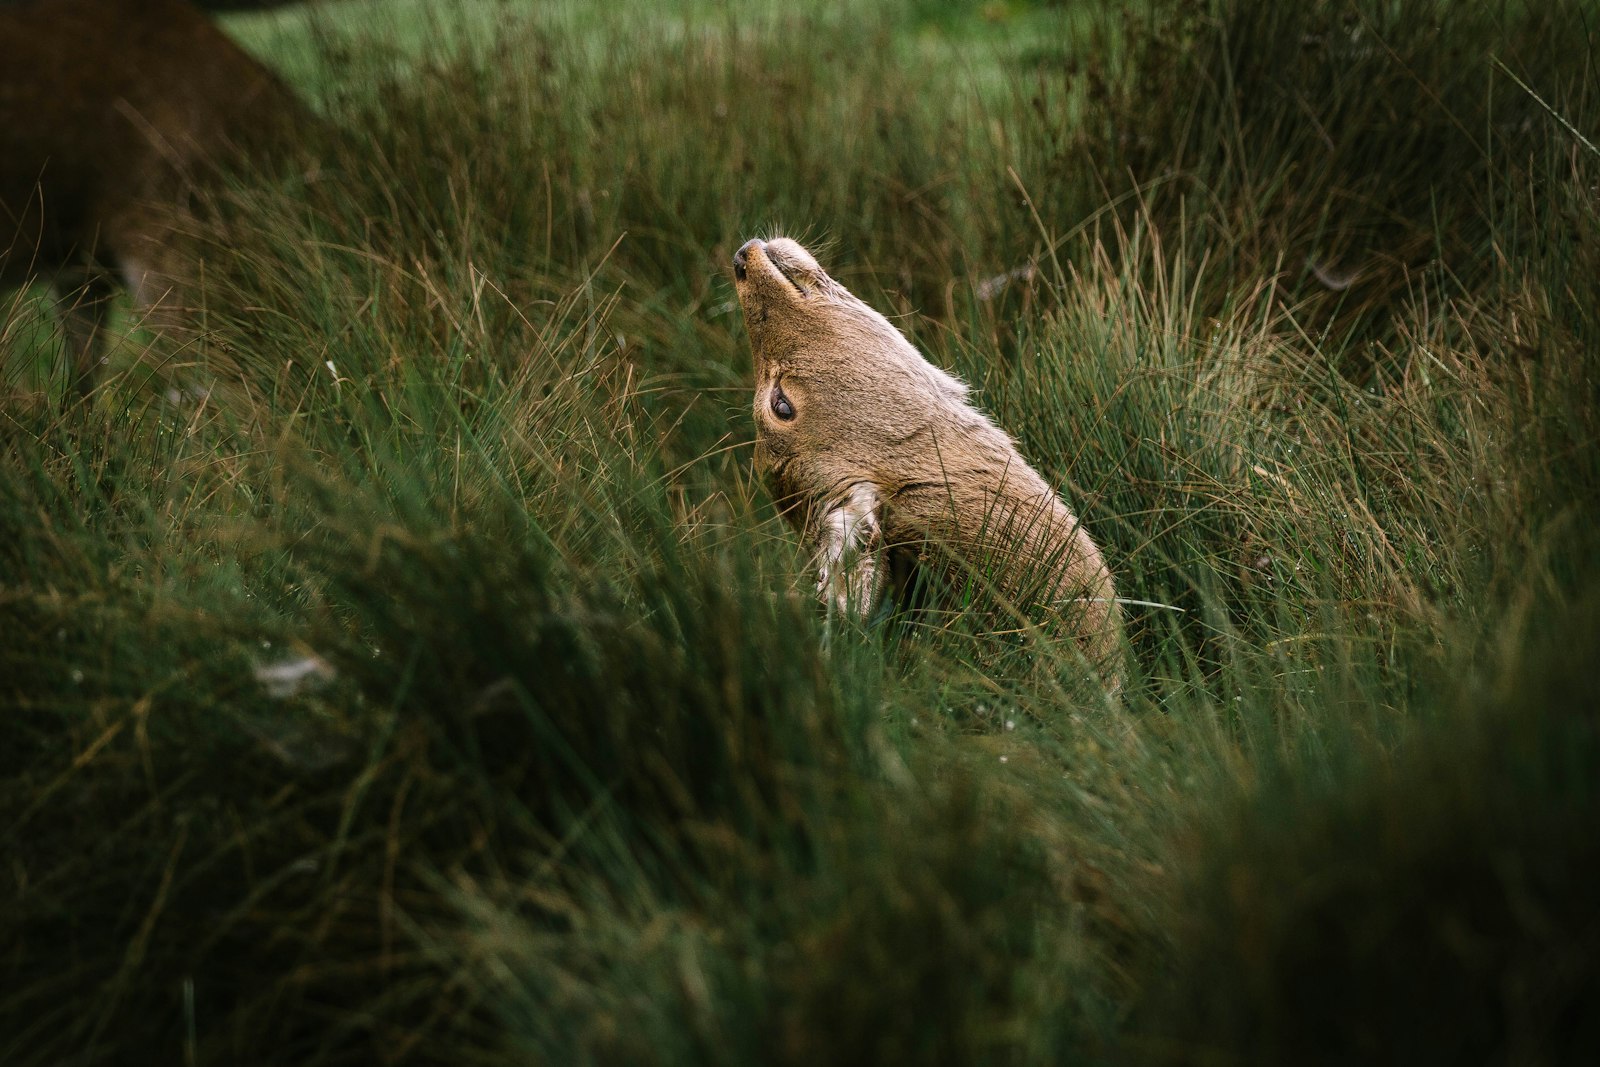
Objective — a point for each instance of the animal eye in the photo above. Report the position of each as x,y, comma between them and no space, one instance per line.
780,404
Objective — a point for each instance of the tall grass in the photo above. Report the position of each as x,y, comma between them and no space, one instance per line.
415,671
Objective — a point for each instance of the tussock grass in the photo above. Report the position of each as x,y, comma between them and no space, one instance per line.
414,670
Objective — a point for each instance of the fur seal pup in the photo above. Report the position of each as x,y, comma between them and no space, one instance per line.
879,458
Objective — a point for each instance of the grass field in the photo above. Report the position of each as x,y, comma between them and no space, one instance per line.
414,670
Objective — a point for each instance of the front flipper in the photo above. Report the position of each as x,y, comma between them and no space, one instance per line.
851,565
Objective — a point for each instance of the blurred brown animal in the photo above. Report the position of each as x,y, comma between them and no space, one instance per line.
873,451
113,113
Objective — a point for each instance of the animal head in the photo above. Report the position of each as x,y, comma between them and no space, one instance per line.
840,392
877,454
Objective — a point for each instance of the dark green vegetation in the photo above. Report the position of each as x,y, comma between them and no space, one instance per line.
1308,334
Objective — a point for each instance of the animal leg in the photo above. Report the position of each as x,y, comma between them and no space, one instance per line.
851,569
156,300
159,306
85,305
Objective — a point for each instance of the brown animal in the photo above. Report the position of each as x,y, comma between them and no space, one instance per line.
111,112
876,453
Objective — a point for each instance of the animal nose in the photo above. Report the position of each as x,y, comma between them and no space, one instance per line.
740,256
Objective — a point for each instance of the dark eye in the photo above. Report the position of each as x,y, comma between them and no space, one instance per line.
780,404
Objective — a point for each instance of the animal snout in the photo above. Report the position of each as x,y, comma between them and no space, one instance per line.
743,254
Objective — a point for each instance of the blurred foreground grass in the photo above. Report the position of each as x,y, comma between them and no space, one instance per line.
430,680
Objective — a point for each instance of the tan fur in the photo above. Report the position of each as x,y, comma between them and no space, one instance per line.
884,453
110,111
